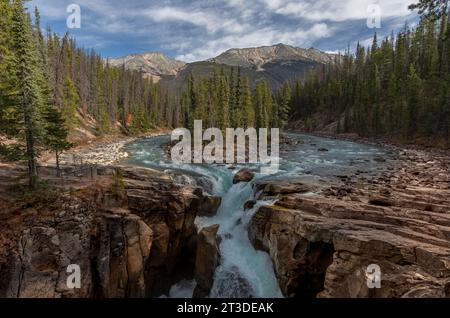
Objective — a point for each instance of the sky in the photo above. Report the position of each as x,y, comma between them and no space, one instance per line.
201,29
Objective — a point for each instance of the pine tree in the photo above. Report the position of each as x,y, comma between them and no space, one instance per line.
413,100
232,97
237,101
263,105
247,105
224,103
285,103
268,112
9,113
29,96
71,102
56,134
200,112
42,66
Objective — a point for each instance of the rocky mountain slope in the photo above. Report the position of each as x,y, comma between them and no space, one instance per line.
259,56
276,64
154,65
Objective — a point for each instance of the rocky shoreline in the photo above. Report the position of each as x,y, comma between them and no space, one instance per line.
108,151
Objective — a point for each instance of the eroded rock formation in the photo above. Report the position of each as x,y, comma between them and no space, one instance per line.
322,244
207,260
243,175
131,236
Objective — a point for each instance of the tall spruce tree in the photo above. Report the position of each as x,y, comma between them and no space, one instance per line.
56,134
237,106
285,105
247,105
9,113
29,95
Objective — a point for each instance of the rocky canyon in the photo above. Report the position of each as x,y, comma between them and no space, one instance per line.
131,236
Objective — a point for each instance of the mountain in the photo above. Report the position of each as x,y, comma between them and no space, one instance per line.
153,65
275,64
260,56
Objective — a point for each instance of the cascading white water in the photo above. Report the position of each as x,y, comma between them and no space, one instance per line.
243,271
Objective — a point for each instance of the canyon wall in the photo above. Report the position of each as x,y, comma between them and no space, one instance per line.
131,234
322,244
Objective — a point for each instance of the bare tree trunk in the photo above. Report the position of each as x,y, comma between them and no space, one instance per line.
448,136
31,155
58,171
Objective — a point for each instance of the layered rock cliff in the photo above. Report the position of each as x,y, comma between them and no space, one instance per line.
132,235
322,244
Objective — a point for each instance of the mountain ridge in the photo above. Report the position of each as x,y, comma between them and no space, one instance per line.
154,65
258,56
157,65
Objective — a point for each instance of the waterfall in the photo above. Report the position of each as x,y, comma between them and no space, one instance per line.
243,271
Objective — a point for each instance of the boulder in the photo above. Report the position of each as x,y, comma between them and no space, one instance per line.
249,205
283,187
209,206
206,261
244,175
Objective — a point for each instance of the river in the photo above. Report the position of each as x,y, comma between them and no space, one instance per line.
244,271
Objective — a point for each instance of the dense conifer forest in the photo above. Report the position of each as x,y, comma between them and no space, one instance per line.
398,88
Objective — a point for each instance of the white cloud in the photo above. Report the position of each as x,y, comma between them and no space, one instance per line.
261,37
326,10
273,4
199,18
208,20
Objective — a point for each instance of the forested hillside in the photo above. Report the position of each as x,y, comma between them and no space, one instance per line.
399,88
80,83
50,89
82,87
